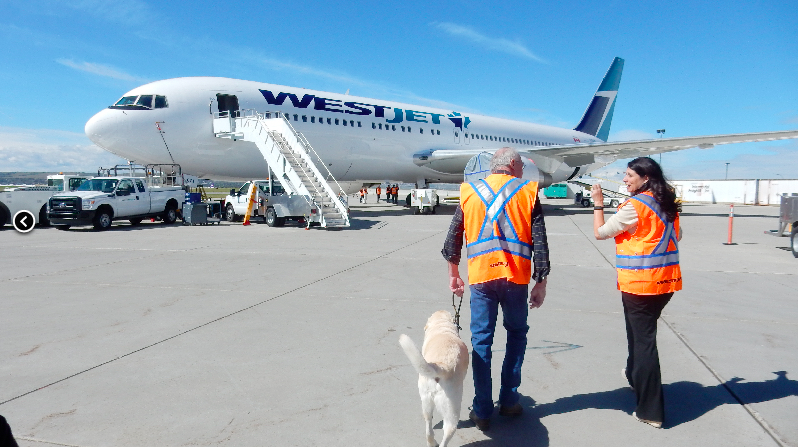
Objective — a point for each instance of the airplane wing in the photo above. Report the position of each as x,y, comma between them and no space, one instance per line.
453,160
582,154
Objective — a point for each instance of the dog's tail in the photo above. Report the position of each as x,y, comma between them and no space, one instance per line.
422,366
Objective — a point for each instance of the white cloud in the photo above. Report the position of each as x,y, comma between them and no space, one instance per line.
100,70
491,43
50,150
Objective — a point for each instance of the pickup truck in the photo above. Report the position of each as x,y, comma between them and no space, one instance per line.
271,203
34,198
101,200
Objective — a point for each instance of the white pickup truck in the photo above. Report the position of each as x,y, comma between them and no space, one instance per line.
271,203
101,200
34,198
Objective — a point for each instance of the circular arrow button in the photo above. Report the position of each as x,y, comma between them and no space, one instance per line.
24,221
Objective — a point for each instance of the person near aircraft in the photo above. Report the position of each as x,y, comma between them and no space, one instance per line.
647,234
499,271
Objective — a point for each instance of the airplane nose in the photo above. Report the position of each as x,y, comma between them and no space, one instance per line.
97,128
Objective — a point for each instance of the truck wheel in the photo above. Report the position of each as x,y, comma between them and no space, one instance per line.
230,213
3,218
169,215
614,203
62,227
135,221
44,221
794,240
270,217
416,210
585,203
102,220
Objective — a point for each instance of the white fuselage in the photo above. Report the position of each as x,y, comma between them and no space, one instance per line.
360,139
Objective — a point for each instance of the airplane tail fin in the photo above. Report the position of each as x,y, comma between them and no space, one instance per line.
598,116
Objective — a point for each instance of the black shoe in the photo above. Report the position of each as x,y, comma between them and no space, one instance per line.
482,424
512,411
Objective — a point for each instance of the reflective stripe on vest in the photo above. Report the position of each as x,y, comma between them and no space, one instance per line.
507,240
660,256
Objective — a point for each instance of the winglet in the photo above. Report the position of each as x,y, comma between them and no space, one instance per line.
598,116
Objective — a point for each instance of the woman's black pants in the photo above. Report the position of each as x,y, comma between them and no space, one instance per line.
642,366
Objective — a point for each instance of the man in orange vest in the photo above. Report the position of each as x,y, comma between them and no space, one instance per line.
395,193
505,235
378,191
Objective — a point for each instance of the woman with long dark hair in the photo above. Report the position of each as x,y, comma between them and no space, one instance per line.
646,231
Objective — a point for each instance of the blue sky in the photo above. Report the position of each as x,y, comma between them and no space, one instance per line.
692,68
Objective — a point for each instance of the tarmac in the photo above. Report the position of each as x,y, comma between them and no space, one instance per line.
161,335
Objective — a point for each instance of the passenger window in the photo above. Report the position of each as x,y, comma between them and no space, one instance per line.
296,117
304,118
403,128
329,121
312,119
343,123
336,121
373,125
268,115
160,102
145,101
140,184
421,130
393,126
408,128
380,126
439,132
358,124
456,134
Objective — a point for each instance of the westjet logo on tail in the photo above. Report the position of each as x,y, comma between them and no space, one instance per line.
359,108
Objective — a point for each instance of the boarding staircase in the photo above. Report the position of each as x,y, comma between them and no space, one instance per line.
290,157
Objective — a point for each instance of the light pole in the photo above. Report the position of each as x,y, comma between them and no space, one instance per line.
661,132
727,170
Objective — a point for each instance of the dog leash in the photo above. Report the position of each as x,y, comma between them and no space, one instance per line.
457,312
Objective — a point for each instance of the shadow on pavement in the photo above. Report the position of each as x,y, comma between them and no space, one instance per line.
684,401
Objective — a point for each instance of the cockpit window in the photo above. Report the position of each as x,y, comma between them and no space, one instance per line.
145,100
126,101
141,102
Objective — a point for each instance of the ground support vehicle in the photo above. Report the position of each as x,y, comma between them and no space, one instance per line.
34,198
788,221
272,204
101,200
423,201
612,198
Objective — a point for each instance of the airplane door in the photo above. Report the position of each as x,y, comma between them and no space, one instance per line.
228,104
467,137
457,133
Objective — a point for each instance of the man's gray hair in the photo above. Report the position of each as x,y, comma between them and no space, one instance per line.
503,157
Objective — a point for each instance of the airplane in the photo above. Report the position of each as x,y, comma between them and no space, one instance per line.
365,140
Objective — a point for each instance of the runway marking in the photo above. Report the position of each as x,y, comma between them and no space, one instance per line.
25,438
296,289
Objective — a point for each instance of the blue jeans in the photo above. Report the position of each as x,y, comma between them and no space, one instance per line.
485,301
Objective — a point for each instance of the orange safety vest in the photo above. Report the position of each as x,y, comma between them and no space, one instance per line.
648,260
394,190
378,190
497,214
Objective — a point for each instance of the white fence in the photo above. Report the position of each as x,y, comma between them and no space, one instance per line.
748,192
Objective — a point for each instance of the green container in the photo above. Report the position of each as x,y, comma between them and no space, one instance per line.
557,191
